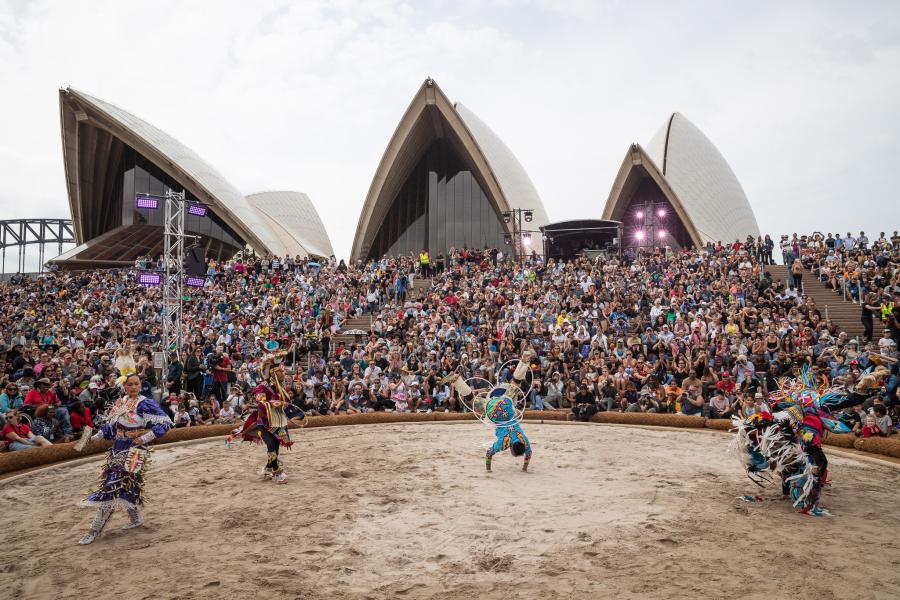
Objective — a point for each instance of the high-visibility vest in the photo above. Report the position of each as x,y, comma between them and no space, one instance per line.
423,258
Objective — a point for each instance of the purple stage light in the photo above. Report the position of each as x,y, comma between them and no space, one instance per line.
146,202
639,235
661,212
149,279
640,214
197,282
661,234
197,209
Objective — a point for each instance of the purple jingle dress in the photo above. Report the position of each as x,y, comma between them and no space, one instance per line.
121,483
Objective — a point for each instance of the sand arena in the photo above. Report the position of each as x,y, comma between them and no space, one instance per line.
407,511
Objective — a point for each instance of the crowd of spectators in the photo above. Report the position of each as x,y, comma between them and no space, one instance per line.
696,332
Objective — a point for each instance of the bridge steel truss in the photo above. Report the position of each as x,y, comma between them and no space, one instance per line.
21,233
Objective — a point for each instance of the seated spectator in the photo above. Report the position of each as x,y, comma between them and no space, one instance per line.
868,427
10,399
80,417
720,407
172,403
202,415
43,394
46,424
227,414
181,418
295,415
883,419
692,401
358,401
585,404
19,435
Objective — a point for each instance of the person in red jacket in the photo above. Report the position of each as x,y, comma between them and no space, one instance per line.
80,417
43,394
19,436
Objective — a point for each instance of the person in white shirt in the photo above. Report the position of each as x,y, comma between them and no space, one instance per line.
226,415
886,344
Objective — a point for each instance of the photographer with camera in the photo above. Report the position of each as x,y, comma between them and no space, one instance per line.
692,401
585,403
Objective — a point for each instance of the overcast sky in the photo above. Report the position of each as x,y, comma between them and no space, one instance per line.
801,98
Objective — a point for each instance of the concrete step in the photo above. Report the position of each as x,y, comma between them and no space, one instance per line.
832,305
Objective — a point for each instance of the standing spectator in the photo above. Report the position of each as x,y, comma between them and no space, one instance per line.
194,370
797,272
174,374
221,369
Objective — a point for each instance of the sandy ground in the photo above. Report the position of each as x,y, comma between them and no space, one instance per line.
407,511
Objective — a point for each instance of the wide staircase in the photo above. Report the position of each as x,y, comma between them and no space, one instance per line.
831,304
420,289
363,323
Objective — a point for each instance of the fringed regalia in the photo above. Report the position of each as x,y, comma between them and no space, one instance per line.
788,441
266,417
267,423
122,480
502,413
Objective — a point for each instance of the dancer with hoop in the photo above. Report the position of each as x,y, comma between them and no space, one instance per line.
504,406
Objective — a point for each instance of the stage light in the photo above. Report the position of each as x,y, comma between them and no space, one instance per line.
661,212
528,216
141,201
639,234
197,209
506,218
640,214
507,239
526,239
149,279
197,282
661,234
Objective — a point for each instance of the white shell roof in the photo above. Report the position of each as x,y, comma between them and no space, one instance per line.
255,231
292,216
511,175
704,183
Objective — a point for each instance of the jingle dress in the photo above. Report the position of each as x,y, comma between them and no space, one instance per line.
122,478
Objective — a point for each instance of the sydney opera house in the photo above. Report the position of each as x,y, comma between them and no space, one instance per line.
679,190
111,157
445,180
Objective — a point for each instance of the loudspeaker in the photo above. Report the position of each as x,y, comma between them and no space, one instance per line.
196,262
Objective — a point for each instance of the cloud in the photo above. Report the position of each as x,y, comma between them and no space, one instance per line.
305,95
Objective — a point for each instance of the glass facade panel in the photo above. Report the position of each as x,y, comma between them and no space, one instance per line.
140,176
440,205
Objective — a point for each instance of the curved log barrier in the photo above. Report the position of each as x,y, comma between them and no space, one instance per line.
885,446
658,420
11,462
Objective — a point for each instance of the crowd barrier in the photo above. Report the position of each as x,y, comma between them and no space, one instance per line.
11,462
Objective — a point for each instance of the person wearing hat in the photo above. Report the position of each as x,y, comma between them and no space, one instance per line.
268,423
174,373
